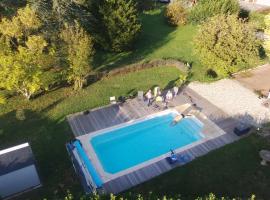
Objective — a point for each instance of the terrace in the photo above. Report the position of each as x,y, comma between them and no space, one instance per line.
218,131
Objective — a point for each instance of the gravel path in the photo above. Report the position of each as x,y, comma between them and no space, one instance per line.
234,99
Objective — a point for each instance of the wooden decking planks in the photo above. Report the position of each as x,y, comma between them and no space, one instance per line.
108,116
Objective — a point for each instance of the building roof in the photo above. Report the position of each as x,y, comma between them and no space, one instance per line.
15,158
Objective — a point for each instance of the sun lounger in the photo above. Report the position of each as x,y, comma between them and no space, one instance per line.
242,129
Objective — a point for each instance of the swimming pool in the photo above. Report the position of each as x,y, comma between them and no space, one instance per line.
135,143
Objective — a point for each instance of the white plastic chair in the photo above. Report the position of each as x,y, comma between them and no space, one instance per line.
113,100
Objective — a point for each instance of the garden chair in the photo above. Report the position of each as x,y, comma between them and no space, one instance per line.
140,96
113,100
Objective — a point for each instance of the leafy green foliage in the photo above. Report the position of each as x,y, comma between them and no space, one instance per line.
54,13
80,50
267,32
117,24
181,79
2,99
211,196
20,71
9,7
258,19
227,44
176,14
22,25
209,8
24,56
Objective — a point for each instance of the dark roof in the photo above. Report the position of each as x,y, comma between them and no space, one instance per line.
14,159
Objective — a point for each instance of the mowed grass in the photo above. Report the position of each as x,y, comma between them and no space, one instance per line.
157,40
232,171
42,122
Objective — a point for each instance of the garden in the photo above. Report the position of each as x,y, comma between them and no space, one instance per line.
52,66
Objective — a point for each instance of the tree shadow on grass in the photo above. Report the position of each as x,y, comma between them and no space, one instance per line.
47,139
155,33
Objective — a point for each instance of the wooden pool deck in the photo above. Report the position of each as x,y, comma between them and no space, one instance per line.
218,129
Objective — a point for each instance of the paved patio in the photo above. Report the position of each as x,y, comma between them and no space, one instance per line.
235,100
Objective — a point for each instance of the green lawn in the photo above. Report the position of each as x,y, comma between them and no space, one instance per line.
157,40
46,129
233,170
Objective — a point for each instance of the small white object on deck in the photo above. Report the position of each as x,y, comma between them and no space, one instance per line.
113,100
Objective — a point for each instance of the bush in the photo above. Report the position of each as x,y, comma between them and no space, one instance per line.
257,19
227,44
176,14
205,9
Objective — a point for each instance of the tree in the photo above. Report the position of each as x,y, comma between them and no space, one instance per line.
176,13
20,71
80,49
117,24
9,7
24,55
55,13
227,44
24,23
267,32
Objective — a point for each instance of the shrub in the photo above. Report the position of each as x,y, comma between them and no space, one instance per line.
209,8
227,44
181,80
258,20
176,14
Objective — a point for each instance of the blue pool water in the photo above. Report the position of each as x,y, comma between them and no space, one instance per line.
131,145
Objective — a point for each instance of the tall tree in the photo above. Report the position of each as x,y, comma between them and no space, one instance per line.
20,70
9,7
79,46
54,13
24,55
117,24
23,24
227,44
